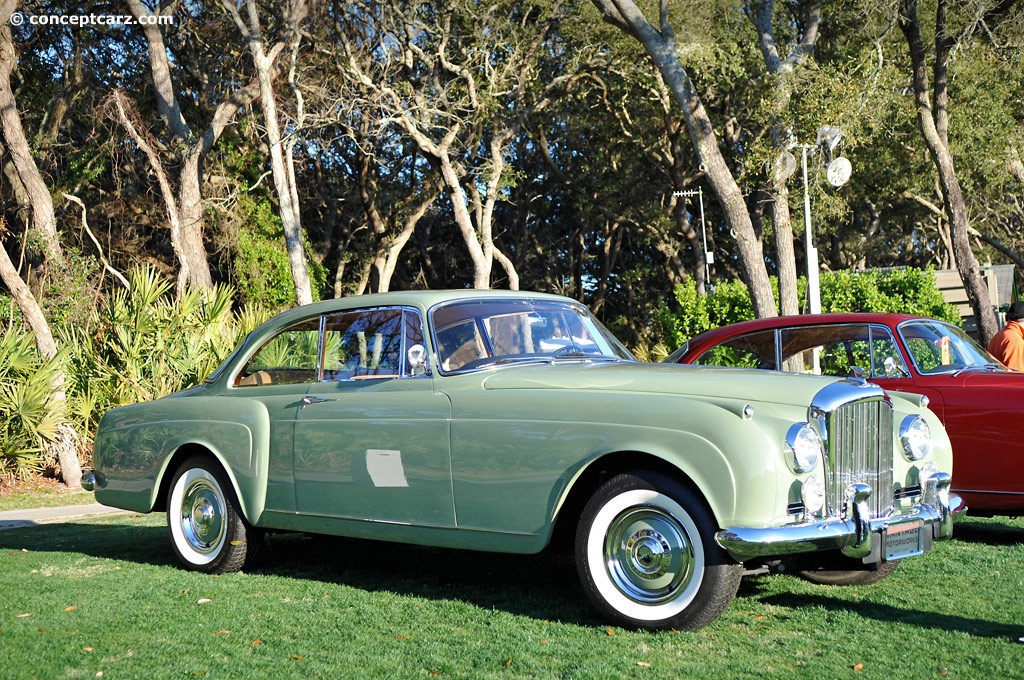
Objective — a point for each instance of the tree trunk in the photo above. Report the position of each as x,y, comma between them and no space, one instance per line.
781,72
782,225
388,250
933,127
44,222
479,253
64,448
187,234
660,46
284,178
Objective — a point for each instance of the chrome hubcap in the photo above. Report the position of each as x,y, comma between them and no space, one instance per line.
202,516
648,555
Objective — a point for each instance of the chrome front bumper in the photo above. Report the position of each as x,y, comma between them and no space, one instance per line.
856,533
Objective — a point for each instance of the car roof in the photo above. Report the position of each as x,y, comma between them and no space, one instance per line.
717,335
422,299
417,298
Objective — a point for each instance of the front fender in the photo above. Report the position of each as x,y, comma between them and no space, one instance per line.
136,446
732,460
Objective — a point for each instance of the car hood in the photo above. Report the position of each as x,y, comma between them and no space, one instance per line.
991,378
675,379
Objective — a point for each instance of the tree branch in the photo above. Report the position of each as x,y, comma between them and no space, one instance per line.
103,258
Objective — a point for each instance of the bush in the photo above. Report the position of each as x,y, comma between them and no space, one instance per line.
909,291
28,418
260,267
148,345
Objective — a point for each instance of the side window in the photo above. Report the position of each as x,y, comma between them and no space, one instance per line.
834,350
363,344
756,350
459,344
290,357
886,361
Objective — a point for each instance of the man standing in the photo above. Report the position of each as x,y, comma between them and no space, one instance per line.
1008,344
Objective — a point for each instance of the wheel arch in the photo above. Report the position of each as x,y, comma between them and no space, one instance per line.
569,510
250,500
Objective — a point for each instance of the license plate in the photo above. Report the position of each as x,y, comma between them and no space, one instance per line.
903,540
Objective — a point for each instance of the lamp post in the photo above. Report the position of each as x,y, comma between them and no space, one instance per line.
838,172
709,258
813,285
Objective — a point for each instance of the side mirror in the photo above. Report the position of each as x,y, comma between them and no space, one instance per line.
893,368
417,358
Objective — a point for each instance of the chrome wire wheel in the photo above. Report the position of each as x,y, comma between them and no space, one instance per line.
648,555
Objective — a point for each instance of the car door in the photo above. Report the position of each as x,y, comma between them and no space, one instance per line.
372,435
278,375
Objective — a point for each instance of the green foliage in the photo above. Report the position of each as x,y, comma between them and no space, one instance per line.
260,266
729,302
908,291
69,297
28,418
148,344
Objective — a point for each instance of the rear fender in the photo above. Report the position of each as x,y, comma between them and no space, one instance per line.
136,447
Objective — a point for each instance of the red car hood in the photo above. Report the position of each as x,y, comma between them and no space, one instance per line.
986,378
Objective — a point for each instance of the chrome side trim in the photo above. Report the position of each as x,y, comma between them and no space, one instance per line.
989,492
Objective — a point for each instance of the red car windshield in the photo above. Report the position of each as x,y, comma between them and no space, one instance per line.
937,347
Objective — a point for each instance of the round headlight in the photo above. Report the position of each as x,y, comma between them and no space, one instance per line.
916,437
804,446
813,494
928,470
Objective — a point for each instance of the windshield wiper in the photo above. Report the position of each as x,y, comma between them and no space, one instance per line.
570,352
578,355
980,367
522,360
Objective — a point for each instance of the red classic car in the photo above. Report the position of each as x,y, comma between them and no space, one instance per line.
980,401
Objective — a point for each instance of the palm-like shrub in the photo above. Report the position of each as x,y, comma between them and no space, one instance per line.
147,344
141,344
28,417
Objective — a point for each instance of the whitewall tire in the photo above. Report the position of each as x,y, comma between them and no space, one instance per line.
646,555
207,529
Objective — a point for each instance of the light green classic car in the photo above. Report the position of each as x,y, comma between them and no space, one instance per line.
500,421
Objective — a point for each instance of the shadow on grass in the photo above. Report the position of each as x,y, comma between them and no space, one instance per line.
541,586
988,531
133,541
911,617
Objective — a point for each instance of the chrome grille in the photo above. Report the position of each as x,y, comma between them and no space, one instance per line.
859,444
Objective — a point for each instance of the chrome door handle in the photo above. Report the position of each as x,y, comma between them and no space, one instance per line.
307,400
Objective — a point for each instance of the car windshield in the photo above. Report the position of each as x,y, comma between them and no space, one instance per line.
938,347
477,333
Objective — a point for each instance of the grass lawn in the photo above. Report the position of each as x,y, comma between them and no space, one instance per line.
39,492
104,598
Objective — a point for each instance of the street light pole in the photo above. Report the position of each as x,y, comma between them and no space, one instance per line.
709,258
813,285
838,173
